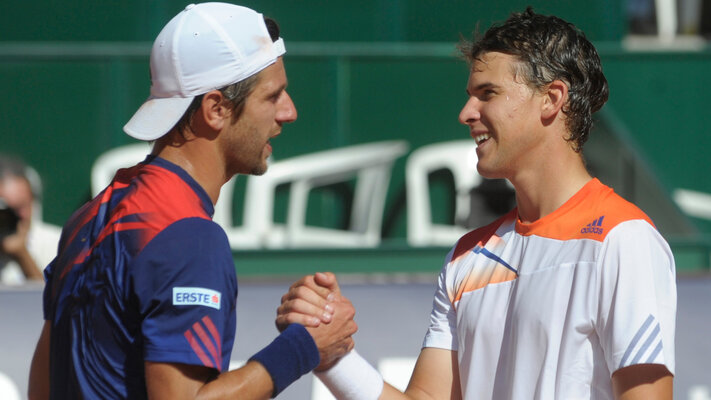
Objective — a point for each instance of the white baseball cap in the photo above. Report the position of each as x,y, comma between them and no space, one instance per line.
205,47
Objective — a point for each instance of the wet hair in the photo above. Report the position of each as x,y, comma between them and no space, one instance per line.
235,93
549,48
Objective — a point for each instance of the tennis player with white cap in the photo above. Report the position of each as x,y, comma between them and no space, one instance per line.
140,301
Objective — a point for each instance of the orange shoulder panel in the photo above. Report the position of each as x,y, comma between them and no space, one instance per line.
480,236
589,214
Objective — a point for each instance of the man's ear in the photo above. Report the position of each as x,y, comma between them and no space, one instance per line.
556,95
213,110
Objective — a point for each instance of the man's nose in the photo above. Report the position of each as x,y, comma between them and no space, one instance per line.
287,110
470,111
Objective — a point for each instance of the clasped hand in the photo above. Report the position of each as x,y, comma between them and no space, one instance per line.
315,301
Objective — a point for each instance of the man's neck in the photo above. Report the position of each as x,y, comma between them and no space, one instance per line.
199,159
542,190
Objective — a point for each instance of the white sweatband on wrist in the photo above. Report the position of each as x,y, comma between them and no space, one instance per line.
352,378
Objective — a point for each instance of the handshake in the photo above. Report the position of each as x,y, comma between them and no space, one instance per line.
316,302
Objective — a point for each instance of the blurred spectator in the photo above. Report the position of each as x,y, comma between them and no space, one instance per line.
705,19
27,244
641,16
490,200
692,17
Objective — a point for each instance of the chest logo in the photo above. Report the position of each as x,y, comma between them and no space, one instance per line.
194,296
594,227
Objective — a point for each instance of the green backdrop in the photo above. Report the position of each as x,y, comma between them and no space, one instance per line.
73,72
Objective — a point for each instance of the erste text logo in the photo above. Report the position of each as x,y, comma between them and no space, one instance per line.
194,296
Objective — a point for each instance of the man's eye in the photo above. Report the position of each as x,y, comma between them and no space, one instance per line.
486,94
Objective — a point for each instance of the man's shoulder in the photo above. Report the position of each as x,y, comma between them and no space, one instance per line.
195,230
481,236
140,202
164,193
614,208
590,214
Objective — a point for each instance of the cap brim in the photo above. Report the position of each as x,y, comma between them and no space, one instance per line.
156,117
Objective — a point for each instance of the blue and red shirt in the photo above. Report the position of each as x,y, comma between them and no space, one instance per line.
142,274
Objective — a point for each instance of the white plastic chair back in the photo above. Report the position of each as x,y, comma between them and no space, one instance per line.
460,158
693,203
369,163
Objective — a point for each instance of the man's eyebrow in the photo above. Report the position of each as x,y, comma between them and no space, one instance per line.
278,89
481,86
485,85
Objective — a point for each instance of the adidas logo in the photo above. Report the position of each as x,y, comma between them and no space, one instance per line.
594,227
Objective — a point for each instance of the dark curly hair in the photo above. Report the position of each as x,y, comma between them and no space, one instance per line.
549,49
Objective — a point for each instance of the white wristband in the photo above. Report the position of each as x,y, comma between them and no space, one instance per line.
352,378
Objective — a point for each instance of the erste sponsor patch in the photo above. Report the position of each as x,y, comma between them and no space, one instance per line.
195,296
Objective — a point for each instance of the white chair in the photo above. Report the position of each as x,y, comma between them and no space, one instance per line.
693,203
105,166
369,163
460,158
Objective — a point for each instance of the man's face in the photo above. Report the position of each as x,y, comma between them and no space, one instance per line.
502,113
265,110
18,195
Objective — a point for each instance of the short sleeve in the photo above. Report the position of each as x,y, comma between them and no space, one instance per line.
185,284
637,297
442,331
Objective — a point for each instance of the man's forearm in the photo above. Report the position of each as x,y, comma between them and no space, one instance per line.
643,382
38,388
28,265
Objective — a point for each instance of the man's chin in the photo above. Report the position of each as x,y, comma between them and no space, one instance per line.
258,171
490,173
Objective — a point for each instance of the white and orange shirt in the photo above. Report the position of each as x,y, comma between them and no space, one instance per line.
549,310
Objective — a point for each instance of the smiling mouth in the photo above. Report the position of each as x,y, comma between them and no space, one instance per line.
479,139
